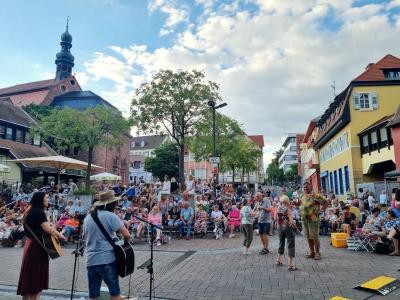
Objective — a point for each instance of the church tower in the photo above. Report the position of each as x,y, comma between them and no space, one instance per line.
64,58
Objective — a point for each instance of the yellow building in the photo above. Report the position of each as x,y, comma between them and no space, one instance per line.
354,144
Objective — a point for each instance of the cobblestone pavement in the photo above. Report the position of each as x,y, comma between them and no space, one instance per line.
210,269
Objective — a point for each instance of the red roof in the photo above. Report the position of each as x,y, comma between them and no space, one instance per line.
258,139
25,87
39,92
374,72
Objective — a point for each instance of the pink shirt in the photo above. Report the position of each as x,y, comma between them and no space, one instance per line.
155,219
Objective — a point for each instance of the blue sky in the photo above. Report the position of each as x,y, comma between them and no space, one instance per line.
275,60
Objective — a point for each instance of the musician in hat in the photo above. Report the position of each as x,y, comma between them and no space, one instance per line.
100,257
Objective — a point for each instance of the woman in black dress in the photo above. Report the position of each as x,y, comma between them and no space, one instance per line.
34,275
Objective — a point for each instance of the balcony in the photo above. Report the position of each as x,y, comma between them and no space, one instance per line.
313,163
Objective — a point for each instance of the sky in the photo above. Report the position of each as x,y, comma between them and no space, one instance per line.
275,60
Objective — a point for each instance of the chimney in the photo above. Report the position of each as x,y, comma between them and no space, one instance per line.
369,66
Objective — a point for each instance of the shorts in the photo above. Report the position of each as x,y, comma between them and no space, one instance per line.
109,274
263,228
311,229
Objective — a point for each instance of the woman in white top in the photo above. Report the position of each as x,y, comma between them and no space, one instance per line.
166,188
246,219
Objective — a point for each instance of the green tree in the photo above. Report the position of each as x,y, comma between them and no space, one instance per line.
292,175
228,131
88,129
274,174
164,162
173,102
38,111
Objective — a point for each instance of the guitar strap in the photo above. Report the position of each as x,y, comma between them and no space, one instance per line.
101,227
36,238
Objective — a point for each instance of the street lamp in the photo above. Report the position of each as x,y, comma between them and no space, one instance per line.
212,105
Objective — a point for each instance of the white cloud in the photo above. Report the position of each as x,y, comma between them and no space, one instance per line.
176,14
274,66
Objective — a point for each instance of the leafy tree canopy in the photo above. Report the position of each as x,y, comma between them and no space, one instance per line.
173,102
164,162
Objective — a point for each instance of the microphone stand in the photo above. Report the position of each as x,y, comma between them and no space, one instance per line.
77,252
149,263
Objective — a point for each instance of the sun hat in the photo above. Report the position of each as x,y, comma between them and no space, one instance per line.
104,198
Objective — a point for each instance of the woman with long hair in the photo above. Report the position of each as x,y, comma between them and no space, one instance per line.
34,275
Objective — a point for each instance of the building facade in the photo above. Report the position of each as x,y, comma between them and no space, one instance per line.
308,159
353,143
291,150
142,147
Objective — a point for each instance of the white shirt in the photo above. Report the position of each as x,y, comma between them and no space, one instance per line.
190,184
216,214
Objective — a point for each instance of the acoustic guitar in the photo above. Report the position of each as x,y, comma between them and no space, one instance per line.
51,245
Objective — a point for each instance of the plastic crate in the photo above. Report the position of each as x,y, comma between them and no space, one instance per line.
339,240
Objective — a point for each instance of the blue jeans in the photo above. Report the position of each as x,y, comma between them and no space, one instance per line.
108,273
180,228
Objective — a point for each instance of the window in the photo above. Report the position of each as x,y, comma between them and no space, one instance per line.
365,146
76,150
200,173
384,137
136,165
19,136
28,139
374,141
2,131
364,101
63,88
142,143
341,182
72,82
293,148
36,140
347,178
9,133
392,74
336,182
146,153
133,144
330,181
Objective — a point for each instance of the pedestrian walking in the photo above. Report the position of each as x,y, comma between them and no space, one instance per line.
246,219
264,220
287,232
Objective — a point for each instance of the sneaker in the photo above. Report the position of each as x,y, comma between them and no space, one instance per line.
180,237
187,238
158,243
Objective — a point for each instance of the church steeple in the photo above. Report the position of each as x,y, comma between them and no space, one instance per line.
64,58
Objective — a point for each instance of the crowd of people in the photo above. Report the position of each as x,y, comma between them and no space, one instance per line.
194,210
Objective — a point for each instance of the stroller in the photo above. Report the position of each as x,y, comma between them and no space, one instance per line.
219,230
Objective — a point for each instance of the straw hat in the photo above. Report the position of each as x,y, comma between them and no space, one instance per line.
104,198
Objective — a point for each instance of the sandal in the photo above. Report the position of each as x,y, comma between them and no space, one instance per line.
317,256
292,268
278,263
264,251
310,255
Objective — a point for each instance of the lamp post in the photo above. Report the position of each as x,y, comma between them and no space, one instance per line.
212,105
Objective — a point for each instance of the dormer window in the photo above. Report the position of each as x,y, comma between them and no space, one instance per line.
392,74
142,143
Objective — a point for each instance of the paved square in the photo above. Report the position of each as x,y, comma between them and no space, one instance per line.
218,270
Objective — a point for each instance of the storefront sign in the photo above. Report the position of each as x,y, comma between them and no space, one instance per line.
335,147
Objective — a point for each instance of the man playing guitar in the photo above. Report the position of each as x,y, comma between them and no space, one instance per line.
100,257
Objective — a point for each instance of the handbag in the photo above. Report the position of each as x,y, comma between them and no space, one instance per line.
125,256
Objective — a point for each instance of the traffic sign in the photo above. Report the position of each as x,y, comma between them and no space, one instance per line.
214,170
214,160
